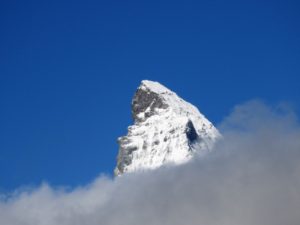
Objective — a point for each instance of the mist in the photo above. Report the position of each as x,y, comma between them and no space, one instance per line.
252,176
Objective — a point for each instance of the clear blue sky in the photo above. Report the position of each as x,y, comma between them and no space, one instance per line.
68,71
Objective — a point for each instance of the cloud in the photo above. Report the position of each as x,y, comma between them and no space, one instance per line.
251,177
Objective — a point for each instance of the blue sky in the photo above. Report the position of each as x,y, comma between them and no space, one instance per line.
68,71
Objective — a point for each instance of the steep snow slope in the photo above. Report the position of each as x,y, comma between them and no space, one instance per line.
166,130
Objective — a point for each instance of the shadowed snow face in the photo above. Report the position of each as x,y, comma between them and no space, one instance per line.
252,177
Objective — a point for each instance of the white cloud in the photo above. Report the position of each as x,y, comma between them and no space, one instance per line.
252,177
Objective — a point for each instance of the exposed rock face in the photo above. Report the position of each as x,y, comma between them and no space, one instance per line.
166,130
146,102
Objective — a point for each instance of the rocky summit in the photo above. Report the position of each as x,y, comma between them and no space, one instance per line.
167,130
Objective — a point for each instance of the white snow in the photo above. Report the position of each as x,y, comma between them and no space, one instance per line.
154,86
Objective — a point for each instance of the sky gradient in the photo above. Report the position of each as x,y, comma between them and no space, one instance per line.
68,72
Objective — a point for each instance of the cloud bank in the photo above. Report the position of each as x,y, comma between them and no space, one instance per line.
251,177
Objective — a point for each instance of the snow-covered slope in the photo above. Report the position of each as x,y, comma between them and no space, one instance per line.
166,130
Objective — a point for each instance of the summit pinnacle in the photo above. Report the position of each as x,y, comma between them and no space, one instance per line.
166,130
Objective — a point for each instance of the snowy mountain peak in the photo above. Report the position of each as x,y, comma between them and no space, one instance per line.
154,86
166,130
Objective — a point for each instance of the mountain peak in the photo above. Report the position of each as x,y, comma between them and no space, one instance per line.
166,130
154,87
